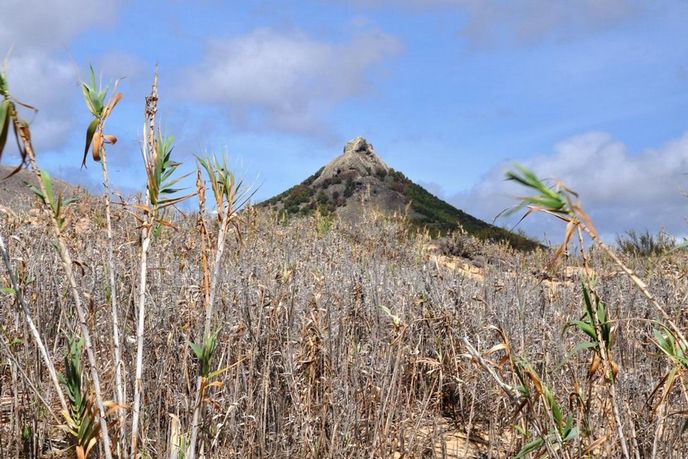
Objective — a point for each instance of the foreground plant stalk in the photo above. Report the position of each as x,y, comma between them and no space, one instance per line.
210,300
223,187
564,204
160,194
96,139
604,354
66,259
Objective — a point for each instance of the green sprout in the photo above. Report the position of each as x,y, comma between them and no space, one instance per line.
55,203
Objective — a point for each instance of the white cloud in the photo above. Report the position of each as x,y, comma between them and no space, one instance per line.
50,24
50,85
490,22
619,190
285,81
40,72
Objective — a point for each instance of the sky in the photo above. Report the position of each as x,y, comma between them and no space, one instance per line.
451,92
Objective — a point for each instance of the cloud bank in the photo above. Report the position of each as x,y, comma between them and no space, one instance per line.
620,190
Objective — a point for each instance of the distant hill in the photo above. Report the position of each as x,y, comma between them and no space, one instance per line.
358,178
17,196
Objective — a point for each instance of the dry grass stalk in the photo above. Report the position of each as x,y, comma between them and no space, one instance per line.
19,294
149,149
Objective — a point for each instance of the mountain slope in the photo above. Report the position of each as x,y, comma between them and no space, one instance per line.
358,178
17,196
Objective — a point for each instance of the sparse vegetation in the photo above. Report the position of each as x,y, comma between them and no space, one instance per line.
294,197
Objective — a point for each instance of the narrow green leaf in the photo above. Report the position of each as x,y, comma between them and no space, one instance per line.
173,201
4,124
580,347
571,434
92,77
530,447
554,407
601,313
174,181
70,201
198,350
86,92
48,186
36,191
58,206
665,342
587,300
98,104
547,202
586,328
170,190
519,428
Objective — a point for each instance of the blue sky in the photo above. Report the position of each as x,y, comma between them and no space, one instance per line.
448,91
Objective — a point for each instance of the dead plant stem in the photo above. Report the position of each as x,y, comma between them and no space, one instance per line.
32,326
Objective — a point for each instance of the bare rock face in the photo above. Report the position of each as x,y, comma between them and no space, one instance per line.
357,160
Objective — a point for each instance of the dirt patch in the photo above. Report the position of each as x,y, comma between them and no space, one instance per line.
443,440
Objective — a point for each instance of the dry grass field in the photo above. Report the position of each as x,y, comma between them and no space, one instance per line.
132,330
345,341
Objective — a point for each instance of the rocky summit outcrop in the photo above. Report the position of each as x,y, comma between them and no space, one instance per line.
359,179
358,160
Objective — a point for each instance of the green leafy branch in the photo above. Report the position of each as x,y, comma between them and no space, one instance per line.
160,170
677,352
564,431
230,194
204,353
82,416
596,325
95,97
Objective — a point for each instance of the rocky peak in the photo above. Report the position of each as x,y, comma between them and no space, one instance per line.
360,146
358,180
357,160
